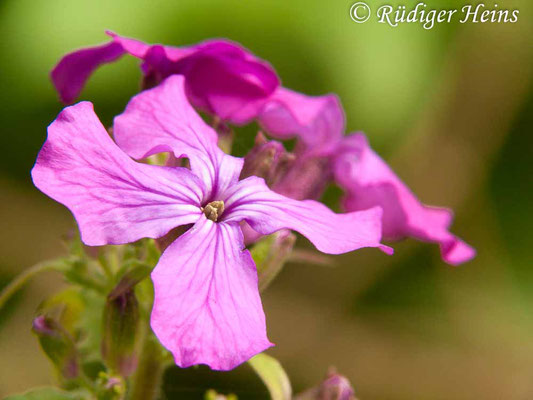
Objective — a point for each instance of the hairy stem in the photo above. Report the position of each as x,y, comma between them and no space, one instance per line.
21,279
146,381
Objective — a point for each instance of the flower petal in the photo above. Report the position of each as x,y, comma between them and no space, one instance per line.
222,77
267,212
369,181
227,80
73,70
113,198
207,308
317,121
161,119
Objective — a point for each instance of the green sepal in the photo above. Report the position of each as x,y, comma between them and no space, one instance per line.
270,255
57,329
121,323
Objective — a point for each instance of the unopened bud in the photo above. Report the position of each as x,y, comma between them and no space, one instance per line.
121,326
270,255
306,178
58,345
334,387
110,387
163,242
267,159
337,387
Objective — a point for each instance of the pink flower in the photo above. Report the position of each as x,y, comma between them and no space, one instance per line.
207,307
369,181
366,178
221,77
317,121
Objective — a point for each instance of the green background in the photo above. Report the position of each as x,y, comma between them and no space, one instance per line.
451,109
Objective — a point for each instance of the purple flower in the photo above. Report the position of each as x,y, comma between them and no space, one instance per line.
207,307
221,77
366,178
317,121
369,181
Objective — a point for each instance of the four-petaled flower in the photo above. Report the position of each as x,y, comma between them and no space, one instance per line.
207,307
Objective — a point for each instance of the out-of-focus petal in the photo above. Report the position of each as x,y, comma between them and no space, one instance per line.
114,199
268,212
133,47
73,70
222,77
207,308
161,119
317,121
227,80
369,181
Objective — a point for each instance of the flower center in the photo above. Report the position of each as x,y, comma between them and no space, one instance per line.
214,210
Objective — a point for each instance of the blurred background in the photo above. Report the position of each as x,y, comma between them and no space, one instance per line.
451,109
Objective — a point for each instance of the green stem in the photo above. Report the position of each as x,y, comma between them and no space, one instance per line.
104,264
147,378
16,284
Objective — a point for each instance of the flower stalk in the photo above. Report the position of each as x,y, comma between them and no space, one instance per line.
148,376
20,280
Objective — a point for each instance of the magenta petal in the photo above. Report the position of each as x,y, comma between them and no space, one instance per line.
227,80
268,212
73,70
161,119
369,181
207,308
133,47
317,121
113,198
455,251
222,77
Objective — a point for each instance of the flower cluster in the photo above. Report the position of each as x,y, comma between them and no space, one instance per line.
207,307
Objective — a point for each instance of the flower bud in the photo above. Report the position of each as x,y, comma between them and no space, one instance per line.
109,387
267,159
270,255
333,387
163,242
121,326
337,387
58,345
306,178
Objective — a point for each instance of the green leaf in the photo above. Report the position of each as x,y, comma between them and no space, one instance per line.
46,393
273,376
91,324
